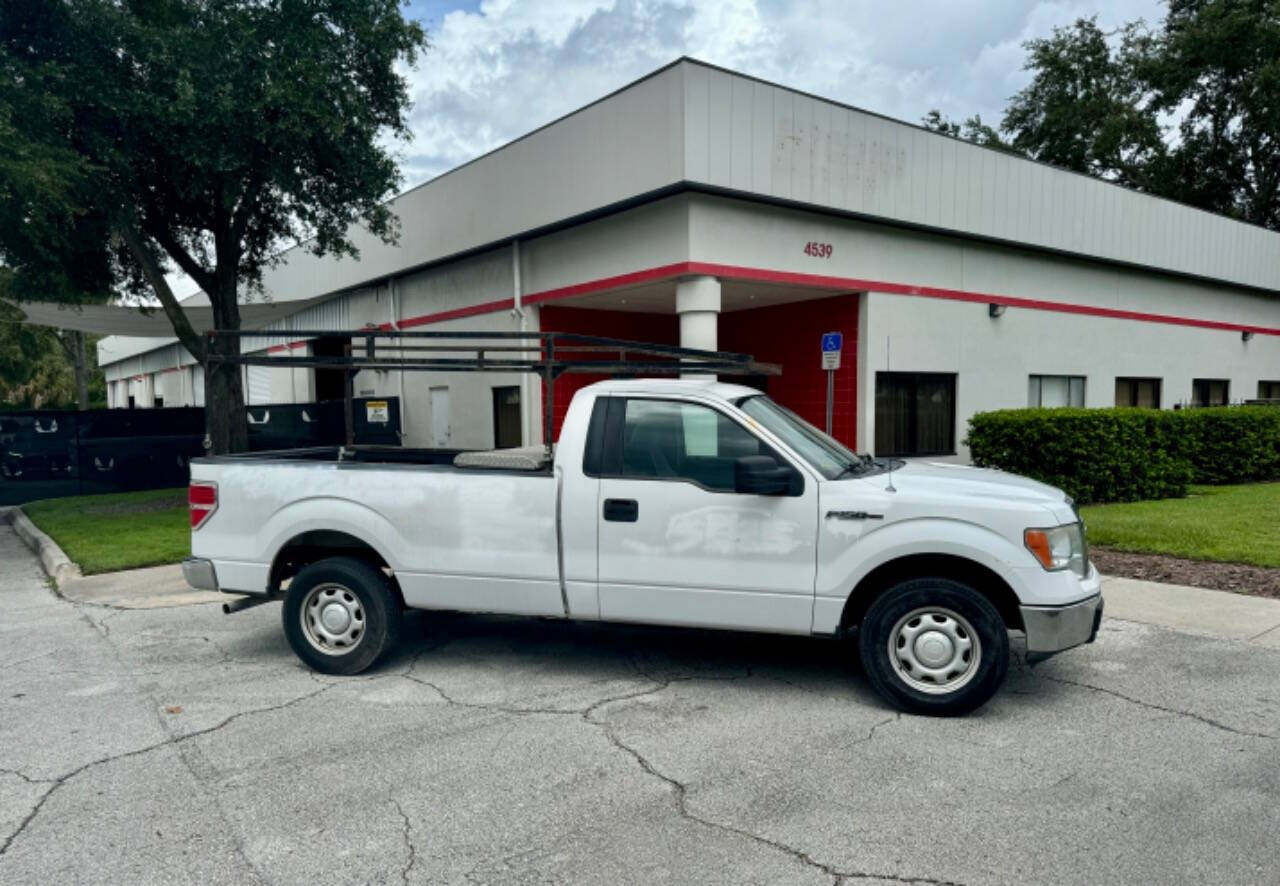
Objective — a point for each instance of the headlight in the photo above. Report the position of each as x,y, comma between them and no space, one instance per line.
1061,547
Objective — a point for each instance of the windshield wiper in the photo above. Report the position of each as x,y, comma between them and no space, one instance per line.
863,463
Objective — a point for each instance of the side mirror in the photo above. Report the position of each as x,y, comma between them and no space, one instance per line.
761,475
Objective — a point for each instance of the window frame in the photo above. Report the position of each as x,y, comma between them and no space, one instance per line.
1206,384
602,455
1273,385
1133,380
913,424
1041,376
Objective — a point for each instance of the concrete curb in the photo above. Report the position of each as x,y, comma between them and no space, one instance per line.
1232,616
57,565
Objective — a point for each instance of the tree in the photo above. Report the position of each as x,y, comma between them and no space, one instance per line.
1086,109
1100,103
49,248
201,134
37,366
1218,63
971,130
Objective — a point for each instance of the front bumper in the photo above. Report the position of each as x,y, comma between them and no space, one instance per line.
1052,629
200,574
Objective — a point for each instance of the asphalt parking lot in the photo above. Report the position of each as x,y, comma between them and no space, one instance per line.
181,745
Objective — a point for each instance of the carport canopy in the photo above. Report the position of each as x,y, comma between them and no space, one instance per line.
147,321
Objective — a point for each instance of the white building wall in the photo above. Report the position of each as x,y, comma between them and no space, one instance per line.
993,357
168,386
650,236
756,236
470,394
758,138
690,124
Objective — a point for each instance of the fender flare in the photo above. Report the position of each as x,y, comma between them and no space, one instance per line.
331,514
927,536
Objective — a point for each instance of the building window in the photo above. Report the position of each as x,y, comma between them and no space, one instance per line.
1138,392
506,418
915,413
1269,390
1055,390
159,402
1209,391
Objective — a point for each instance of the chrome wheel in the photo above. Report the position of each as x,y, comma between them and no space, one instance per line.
934,650
333,619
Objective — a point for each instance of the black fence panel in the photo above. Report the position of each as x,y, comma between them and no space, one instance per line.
54,453
38,446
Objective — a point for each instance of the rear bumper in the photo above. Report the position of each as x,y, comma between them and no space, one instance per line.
200,574
1052,629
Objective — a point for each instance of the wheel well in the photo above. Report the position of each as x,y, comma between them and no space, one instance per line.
319,544
886,575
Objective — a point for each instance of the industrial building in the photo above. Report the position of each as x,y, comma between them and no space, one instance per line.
705,208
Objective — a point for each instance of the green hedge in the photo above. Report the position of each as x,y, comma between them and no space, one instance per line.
1233,444
1101,455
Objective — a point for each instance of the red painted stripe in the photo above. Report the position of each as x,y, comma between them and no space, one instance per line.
488,307
763,275
662,272
275,349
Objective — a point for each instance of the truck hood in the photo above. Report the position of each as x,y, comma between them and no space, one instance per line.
929,479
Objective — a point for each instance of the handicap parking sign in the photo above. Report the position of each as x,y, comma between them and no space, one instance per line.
831,344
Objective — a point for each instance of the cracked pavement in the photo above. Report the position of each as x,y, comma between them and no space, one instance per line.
179,745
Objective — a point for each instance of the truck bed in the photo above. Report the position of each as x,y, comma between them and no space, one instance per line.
481,460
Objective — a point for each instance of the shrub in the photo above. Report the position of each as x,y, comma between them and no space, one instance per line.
1094,455
1233,444
1099,455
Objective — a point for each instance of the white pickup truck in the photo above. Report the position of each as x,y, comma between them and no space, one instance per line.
673,502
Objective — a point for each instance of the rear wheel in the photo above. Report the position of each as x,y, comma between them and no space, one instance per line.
340,615
934,646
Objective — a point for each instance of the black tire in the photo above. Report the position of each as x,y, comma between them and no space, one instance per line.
928,607
363,593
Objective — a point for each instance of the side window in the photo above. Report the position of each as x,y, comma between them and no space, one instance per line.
665,439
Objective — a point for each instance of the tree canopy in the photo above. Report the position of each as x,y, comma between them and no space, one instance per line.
1188,110
206,135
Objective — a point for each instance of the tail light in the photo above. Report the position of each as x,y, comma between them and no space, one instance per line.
203,499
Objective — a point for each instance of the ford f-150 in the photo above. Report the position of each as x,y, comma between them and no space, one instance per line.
672,502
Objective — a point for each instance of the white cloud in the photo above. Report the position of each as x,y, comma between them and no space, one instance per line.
506,67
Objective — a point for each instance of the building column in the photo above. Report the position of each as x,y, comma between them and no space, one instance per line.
698,304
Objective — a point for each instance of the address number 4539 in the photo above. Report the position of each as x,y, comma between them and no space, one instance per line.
817,250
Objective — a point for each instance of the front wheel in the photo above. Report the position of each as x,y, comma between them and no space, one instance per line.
340,615
934,646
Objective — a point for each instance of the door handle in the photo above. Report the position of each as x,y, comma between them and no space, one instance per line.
621,510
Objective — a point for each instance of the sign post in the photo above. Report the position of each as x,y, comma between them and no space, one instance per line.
831,346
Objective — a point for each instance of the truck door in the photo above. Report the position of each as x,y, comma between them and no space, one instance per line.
677,544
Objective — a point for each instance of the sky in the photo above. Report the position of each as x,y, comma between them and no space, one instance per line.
497,69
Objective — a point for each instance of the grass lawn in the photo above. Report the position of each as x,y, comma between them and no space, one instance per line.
1235,524
106,533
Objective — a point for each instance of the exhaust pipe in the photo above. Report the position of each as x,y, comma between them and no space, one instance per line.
243,603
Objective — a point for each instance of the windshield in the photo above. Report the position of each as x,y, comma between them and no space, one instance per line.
829,457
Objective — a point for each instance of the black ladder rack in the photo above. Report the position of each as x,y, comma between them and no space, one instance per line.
546,354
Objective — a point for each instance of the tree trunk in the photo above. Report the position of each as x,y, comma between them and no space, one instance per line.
224,414
82,371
